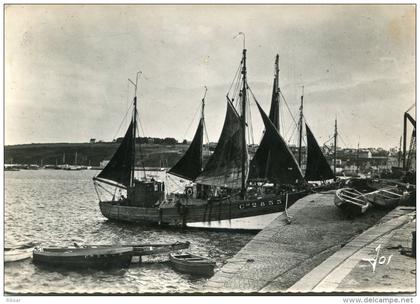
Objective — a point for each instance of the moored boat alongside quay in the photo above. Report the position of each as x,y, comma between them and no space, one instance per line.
80,258
229,186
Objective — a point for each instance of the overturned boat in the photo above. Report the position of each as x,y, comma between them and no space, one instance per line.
388,197
351,201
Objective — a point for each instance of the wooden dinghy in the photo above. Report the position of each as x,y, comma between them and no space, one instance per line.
150,249
147,249
79,257
389,197
17,255
192,264
351,201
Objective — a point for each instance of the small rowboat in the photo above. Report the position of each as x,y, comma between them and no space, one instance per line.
150,249
76,258
147,249
351,201
192,264
17,255
387,197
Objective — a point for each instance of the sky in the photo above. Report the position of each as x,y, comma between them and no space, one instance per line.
67,69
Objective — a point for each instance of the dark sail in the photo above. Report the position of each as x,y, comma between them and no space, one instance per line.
224,166
317,167
259,164
190,165
273,160
119,167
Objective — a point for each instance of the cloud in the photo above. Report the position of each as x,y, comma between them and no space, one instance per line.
68,66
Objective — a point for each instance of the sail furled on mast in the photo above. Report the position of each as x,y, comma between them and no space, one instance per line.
119,167
274,160
191,164
224,167
317,167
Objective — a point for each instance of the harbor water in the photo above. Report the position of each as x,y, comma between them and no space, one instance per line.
60,208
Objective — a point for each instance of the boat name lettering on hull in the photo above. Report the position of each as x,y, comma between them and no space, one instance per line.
259,204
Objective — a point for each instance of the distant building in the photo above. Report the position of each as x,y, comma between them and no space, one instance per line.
365,154
92,140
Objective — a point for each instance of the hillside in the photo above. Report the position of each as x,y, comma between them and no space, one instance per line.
152,155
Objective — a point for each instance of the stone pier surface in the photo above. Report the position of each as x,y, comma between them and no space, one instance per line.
378,260
279,257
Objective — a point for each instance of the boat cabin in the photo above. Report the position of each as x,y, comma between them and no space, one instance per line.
146,193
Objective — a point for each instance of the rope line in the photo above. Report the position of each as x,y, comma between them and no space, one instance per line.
192,120
122,121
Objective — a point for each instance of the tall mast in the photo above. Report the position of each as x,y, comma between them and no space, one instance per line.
357,159
243,119
203,103
335,147
277,92
202,118
134,119
300,129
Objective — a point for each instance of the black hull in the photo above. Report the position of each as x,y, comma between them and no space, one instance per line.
95,260
207,212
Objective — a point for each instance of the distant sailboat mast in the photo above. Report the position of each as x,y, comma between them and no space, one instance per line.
335,147
300,129
399,153
357,159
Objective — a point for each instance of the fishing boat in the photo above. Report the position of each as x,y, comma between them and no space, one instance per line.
229,186
79,257
192,264
351,201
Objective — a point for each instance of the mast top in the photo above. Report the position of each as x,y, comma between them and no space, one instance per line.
135,85
243,35
203,102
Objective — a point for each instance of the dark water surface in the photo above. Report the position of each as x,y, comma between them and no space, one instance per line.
58,208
